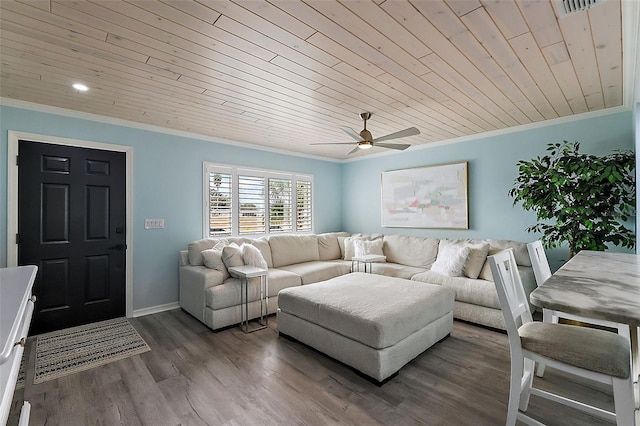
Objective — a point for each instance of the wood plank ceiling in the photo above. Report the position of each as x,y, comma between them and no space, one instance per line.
285,74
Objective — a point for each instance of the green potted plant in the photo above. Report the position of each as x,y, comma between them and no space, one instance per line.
579,199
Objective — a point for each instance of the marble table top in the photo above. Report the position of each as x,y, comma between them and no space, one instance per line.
595,284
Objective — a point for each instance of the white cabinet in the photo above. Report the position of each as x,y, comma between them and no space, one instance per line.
16,309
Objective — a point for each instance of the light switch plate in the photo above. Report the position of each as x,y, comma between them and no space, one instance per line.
154,224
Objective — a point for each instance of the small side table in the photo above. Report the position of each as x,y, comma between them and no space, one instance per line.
367,259
245,273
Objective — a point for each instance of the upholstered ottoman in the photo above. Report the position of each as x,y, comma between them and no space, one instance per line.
373,323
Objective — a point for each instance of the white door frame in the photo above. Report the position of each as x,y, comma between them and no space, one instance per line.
12,196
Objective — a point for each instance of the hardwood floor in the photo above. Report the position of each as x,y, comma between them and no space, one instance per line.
193,376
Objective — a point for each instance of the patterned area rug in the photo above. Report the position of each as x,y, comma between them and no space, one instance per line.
76,349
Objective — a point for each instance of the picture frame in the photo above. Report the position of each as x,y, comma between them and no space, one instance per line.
426,197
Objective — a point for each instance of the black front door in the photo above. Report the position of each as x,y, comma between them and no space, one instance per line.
71,224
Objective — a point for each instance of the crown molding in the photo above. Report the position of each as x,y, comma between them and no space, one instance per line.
501,132
14,103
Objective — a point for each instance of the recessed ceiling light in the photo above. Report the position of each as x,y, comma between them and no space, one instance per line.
80,87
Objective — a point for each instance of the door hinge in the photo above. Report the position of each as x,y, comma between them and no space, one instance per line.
17,160
17,238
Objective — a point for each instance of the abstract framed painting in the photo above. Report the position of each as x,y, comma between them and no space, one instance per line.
426,197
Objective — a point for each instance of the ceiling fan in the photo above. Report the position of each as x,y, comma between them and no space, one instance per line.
365,139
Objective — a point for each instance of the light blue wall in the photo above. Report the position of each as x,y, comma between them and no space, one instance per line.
167,183
492,170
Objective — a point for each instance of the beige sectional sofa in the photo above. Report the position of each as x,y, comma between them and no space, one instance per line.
213,297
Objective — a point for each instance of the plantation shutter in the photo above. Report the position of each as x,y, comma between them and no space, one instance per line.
280,209
220,204
252,202
251,195
303,206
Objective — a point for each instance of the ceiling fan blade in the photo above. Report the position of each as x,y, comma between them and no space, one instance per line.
334,143
398,146
353,150
355,135
411,131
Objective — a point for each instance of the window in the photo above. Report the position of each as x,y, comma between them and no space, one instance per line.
252,205
242,201
303,206
219,205
280,205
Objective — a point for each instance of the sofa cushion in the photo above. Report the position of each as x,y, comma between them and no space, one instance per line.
312,272
228,293
475,292
346,263
279,279
395,270
292,249
195,249
341,244
411,251
328,245
370,237
239,240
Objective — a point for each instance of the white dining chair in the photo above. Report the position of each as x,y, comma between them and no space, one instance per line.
542,272
592,353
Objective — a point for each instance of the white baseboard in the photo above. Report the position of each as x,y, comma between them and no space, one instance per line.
155,309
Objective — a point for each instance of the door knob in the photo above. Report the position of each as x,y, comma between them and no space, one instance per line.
118,247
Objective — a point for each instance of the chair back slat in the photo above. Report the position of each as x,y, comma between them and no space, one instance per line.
539,262
513,299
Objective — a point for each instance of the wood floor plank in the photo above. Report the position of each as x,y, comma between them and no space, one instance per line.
194,376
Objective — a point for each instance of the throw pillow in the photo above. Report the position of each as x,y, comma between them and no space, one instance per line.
251,256
349,248
232,256
365,247
263,245
451,260
213,259
485,272
341,245
520,251
195,250
477,257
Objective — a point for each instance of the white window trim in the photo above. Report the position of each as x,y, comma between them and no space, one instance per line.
234,171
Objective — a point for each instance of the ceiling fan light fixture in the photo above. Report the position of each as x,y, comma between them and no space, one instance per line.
365,140
366,135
